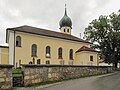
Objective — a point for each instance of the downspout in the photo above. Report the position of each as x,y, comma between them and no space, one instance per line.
0,55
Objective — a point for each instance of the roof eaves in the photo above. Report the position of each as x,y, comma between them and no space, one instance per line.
48,35
86,50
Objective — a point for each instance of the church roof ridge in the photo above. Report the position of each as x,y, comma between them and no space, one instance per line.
46,32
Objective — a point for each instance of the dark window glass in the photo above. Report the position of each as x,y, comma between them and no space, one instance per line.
34,50
18,41
91,58
38,61
64,30
60,53
71,54
48,62
48,51
67,30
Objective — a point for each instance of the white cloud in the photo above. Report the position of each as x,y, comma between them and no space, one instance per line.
47,13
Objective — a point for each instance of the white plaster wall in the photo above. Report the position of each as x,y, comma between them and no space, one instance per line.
11,47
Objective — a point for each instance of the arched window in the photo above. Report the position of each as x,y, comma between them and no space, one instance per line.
67,30
48,51
34,50
71,54
18,41
60,53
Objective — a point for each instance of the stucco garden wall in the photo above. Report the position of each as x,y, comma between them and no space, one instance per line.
42,73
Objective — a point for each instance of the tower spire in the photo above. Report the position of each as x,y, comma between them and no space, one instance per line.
65,5
65,23
65,10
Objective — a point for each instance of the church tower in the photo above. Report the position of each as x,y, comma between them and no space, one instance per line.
65,23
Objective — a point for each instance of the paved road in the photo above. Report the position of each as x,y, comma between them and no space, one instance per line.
110,82
102,82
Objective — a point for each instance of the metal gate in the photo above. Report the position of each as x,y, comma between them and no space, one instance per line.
18,77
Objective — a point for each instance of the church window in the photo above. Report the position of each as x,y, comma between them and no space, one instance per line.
64,30
48,51
34,50
18,41
91,58
38,61
71,54
60,53
47,62
67,30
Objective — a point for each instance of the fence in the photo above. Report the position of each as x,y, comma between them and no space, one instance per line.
18,78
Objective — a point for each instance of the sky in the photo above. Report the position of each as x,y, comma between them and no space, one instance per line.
47,13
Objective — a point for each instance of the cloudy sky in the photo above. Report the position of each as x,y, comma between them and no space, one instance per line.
47,13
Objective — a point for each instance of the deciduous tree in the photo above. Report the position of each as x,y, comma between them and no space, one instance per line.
106,32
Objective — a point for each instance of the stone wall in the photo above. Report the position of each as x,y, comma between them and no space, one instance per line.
5,76
42,73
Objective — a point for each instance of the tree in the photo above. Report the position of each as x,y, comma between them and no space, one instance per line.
106,32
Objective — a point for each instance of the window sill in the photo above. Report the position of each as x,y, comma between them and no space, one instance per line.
34,56
71,59
18,46
60,58
48,57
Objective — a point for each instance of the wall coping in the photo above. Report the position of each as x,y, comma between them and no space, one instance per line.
52,65
5,66
4,46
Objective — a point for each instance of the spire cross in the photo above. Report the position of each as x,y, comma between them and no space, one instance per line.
65,5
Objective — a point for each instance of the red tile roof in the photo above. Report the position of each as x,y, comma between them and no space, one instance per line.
84,48
49,33
101,60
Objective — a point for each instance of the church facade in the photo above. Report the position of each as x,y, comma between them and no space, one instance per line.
31,45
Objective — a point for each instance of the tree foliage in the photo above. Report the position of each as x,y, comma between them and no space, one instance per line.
106,32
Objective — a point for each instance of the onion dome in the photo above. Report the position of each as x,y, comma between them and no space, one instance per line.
65,21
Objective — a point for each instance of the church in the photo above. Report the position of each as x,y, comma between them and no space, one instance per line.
32,45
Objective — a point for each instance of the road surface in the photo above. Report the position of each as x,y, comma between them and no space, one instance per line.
102,82
109,82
